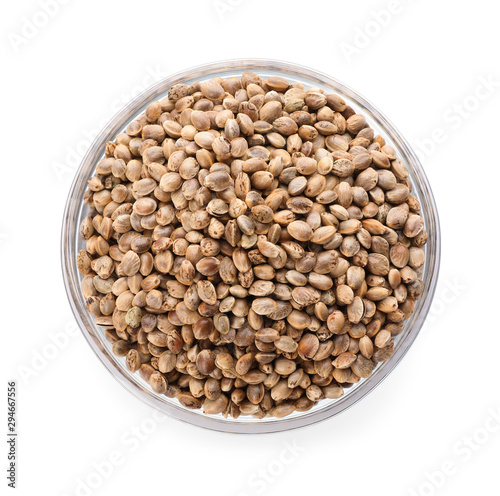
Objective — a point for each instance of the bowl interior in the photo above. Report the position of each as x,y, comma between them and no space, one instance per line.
76,211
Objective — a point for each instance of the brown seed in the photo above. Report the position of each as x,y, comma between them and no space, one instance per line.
284,366
200,120
166,362
254,377
189,401
356,123
378,264
397,216
345,295
158,383
214,407
417,257
343,168
344,360
170,182
366,347
206,292
314,392
377,293
286,344
326,262
241,260
261,288
205,362
399,255
320,281
218,181
267,248
305,295
202,328
323,234
212,90
355,310
308,346
367,179
267,335
413,226
208,266
388,304
130,263
336,321
271,111
264,306
133,361
244,364
332,391
363,367
315,100
285,126
280,391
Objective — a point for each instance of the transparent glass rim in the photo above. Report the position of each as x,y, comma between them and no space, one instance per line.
70,233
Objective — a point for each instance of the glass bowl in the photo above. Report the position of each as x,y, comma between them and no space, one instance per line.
75,211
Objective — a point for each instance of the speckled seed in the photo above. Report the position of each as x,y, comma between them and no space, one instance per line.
264,306
300,230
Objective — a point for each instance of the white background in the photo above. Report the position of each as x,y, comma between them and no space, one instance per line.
424,64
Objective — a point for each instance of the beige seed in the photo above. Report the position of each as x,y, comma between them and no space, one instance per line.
244,364
345,295
344,360
300,230
366,347
267,335
261,288
285,126
332,392
264,306
158,383
378,264
130,263
206,292
170,182
308,346
413,226
284,367
241,260
323,234
306,295
355,310
286,344
218,181
271,111
133,361
388,304
212,90
362,367
216,406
